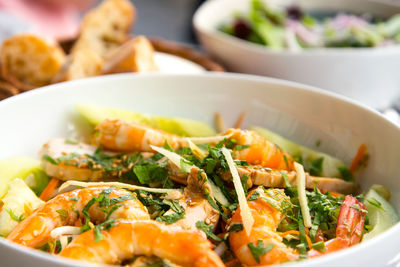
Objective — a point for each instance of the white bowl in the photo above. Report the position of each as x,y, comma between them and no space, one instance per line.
369,75
299,112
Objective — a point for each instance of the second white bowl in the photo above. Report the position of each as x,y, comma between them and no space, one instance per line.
369,75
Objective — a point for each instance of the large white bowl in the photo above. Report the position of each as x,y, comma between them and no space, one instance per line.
299,112
369,75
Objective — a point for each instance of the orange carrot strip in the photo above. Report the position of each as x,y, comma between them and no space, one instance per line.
240,120
295,232
333,193
358,157
309,241
51,186
1,205
290,232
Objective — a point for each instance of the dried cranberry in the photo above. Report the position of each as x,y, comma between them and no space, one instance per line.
241,29
294,12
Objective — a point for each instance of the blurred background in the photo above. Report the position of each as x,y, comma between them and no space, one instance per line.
170,19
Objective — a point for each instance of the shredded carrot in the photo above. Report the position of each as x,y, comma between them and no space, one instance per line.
50,188
290,232
219,123
1,205
295,232
358,158
333,193
240,120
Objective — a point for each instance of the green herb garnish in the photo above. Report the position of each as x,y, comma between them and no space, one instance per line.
208,230
63,214
259,250
346,174
14,217
237,227
374,202
316,166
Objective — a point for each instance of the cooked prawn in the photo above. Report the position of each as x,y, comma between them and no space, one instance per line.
267,217
66,209
122,136
266,220
349,227
127,239
260,151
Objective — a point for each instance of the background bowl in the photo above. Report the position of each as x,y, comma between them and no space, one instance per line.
299,112
369,75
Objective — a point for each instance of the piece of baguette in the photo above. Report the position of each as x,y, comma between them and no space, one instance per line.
83,63
103,29
136,55
106,27
29,61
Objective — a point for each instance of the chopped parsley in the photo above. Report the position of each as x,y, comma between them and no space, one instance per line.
286,160
178,212
50,159
316,166
14,217
170,218
241,147
346,174
374,202
259,250
358,208
254,196
106,225
71,142
286,179
237,227
63,214
104,202
208,230
320,246
318,143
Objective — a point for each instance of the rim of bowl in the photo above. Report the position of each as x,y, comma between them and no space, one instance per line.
232,40
229,77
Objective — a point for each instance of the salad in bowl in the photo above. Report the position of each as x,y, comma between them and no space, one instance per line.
137,189
293,28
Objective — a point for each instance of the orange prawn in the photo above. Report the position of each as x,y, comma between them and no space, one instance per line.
66,209
127,239
260,151
266,220
267,213
122,136
349,227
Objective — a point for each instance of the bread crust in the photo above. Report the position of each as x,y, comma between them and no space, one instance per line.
103,30
29,61
136,55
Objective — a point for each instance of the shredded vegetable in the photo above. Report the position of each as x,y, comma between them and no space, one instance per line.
245,212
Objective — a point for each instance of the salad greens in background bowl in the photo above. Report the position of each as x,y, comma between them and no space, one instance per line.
349,47
320,129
